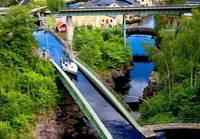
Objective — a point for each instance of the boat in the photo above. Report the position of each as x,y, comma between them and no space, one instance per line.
69,66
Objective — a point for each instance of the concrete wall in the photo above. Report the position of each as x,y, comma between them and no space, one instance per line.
97,21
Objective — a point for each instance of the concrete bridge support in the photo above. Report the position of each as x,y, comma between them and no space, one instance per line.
70,32
124,29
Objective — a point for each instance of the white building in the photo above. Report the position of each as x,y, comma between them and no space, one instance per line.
146,2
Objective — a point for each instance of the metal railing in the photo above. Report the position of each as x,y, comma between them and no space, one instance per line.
171,9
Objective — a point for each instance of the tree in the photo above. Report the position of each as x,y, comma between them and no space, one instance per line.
174,1
178,64
101,49
5,3
27,83
188,42
55,5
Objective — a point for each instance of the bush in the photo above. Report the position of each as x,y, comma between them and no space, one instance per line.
182,105
161,118
178,66
55,5
101,49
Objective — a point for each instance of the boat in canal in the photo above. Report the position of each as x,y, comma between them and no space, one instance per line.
69,66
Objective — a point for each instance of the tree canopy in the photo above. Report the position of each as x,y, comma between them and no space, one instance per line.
27,83
101,49
55,5
175,1
5,3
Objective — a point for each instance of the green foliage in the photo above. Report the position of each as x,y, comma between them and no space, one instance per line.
5,3
55,5
175,1
39,3
161,118
178,66
101,49
27,83
182,106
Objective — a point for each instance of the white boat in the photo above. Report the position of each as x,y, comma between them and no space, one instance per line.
69,66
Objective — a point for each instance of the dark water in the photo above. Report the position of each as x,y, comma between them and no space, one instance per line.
116,124
181,134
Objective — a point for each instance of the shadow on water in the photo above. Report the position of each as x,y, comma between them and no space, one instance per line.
178,134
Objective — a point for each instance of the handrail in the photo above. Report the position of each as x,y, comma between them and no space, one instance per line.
112,98
148,10
83,104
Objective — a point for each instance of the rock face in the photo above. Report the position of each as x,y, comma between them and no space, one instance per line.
117,79
150,90
66,122
121,81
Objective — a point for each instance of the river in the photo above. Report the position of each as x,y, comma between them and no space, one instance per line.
140,72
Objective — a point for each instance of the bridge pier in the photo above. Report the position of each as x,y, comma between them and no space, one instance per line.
124,29
70,32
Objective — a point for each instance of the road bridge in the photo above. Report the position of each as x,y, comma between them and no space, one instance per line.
142,11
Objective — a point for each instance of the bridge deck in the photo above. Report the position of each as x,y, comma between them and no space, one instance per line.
127,10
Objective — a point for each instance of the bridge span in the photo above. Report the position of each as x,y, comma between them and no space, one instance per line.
143,11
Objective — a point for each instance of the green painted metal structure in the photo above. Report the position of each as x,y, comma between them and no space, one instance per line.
117,104
85,107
